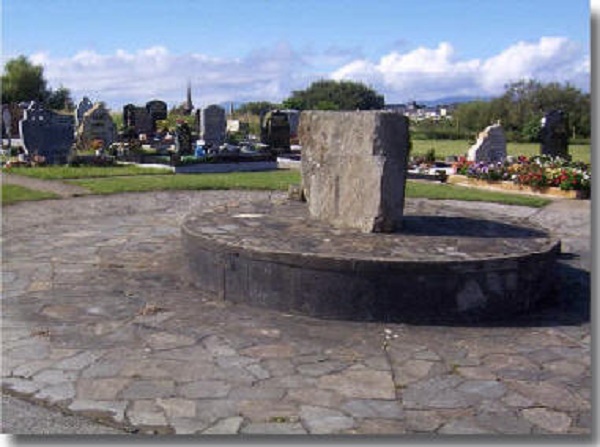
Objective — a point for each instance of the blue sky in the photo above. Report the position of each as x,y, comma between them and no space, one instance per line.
121,51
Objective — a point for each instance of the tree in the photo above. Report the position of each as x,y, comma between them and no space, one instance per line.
23,81
335,95
60,99
256,108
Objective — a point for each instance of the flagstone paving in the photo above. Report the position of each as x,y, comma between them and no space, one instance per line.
99,320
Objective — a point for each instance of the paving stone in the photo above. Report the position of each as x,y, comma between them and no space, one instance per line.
227,426
165,340
376,427
270,351
55,376
273,429
177,407
566,368
204,389
187,426
437,392
367,384
100,389
20,385
278,367
552,421
79,361
209,411
321,420
146,413
550,395
267,411
258,371
34,350
149,389
56,393
485,389
463,427
314,396
370,408
256,393
104,368
29,369
422,420
218,347
96,408
504,422
412,371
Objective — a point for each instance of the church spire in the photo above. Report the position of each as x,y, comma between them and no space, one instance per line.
188,102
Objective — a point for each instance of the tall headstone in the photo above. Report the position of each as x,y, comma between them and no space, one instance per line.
157,111
354,168
213,125
490,145
96,124
138,119
6,123
183,139
554,134
47,133
84,105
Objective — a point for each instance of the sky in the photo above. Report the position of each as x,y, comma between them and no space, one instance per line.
133,51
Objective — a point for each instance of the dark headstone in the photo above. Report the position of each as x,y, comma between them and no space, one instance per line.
47,133
213,125
138,119
554,134
157,111
183,139
84,105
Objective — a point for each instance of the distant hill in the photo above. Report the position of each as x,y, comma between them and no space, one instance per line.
455,100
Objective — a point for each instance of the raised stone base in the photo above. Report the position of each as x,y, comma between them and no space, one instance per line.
448,264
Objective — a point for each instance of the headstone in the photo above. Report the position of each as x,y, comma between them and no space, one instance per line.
46,133
554,134
84,105
157,111
138,119
213,125
490,146
6,122
354,168
96,124
183,139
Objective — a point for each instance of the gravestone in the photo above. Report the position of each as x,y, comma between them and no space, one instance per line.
554,134
84,105
6,123
96,124
157,111
47,133
354,168
183,139
138,119
490,146
213,125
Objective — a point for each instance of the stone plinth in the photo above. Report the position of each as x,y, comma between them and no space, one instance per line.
447,264
354,168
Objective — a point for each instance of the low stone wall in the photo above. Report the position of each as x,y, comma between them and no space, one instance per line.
506,186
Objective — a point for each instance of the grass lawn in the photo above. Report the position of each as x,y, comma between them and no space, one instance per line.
75,172
444,148
280,180
271,180
14,193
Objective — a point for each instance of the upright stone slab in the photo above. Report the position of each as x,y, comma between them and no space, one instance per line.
490,145
84,105
138,119
213,125
354,168
157,111
554,134
47,133
97,124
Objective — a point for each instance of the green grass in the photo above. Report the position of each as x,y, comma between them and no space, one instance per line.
280,180
444,148
15,193
440,191
79,172
272,180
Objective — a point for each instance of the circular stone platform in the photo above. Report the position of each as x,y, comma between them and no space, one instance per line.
448,263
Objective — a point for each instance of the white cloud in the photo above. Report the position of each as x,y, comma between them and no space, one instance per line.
155,72
272,73
426,73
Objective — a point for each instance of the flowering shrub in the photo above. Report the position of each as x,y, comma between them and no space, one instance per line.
539,171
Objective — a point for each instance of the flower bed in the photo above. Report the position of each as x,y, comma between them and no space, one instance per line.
538,174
